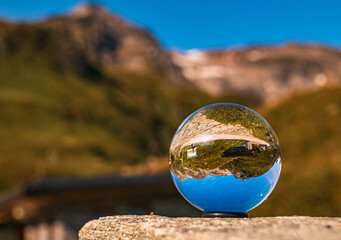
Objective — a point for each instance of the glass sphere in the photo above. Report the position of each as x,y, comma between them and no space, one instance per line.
225,158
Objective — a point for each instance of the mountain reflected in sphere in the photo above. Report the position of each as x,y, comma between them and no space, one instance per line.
225,158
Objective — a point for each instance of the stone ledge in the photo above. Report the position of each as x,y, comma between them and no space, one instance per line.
158,227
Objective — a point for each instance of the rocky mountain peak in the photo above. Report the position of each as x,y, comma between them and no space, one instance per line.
100,15
89,9
269,72
90,39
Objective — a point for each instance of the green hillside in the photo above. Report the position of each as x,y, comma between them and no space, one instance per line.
55,124
59,124
309,130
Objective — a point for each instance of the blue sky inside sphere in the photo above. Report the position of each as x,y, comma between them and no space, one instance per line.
227,193
203,24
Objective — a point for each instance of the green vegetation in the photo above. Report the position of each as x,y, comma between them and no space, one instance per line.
212,155
309,130
239,115
61,124
253,166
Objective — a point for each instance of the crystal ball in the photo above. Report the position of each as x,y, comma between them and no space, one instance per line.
225,158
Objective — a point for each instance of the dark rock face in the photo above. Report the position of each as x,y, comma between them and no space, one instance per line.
90,40
157,227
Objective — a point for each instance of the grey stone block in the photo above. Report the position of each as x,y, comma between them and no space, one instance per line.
158,227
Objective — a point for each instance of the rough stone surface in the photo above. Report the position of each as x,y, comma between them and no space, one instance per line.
158,227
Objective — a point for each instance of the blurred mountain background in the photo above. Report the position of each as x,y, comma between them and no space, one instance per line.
89,94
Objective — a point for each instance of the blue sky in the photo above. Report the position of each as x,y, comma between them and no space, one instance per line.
188,24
